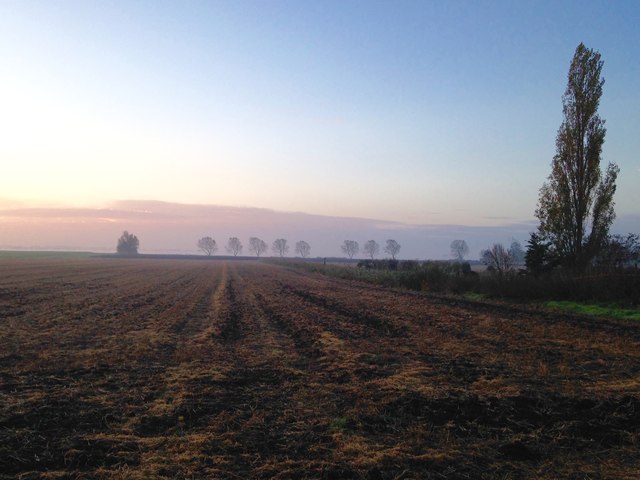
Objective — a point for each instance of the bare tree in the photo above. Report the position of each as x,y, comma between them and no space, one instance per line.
350,248
280,247
459,250
234,246
392,248
207,245
303,249
371,248
497,258
128,244
257,246
619,252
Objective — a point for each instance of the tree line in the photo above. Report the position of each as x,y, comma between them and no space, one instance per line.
257,247
128,244
371,248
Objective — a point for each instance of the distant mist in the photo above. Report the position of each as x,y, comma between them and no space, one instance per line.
175,228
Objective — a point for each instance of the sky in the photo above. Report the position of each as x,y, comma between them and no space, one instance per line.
417,114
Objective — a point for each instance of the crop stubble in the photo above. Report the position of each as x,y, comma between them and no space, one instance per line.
186,369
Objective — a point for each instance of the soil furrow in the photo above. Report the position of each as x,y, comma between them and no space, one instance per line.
172,369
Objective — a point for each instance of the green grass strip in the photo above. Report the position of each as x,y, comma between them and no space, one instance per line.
596,310
474,296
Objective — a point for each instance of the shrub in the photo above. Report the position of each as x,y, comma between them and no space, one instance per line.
622,286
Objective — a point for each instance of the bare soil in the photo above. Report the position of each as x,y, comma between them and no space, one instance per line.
184,369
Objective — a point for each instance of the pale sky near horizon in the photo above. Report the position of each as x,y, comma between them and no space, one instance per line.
420,112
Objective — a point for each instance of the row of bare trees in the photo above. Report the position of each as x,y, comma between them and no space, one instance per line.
257,247
371,248
497,257
280,247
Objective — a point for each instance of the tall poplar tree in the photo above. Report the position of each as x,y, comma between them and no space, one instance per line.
575,206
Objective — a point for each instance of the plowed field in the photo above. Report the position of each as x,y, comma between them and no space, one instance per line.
209,369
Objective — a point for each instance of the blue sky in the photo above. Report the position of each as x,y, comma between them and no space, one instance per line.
418,112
